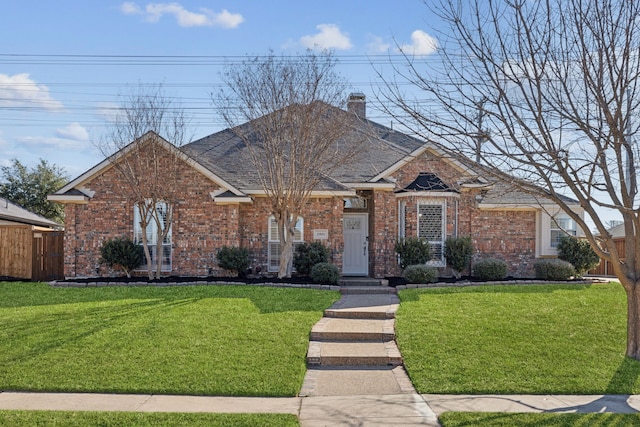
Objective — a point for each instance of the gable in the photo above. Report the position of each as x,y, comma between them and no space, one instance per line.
80,189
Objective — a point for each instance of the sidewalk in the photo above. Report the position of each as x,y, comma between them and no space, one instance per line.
367,410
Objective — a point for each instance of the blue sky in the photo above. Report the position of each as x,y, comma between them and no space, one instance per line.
64,63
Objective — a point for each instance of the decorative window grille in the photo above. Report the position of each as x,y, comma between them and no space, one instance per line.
561,225
431,227
152,236
274,246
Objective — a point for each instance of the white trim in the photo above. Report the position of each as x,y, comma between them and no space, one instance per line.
437,194
388,186
314,194
73,199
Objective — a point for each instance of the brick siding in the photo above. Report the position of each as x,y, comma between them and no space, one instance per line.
201,226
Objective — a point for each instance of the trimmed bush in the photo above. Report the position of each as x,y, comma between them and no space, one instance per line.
490,269
458,251
420,273
323,272
234,259
554,269
413,251
122,253
309,254
579,253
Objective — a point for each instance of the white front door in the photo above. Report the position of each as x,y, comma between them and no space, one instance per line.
355,261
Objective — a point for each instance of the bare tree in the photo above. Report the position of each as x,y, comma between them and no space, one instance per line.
293,131
545,95
135,145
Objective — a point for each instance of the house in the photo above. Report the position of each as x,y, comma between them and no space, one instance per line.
30,245
396,186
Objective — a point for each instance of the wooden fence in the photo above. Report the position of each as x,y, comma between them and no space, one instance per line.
604,269
31,253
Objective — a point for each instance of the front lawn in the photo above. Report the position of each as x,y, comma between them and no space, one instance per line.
198,340
562,339
140,419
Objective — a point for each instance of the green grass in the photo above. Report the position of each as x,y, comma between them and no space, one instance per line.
564,339
492,419
139,419
200,340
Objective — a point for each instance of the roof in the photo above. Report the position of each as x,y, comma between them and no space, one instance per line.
224,158
9,211
379,149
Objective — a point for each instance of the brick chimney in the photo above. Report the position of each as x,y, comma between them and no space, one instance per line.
357,104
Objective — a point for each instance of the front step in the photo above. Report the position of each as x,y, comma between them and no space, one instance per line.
352,289
362,281
353,354
341,329
365,306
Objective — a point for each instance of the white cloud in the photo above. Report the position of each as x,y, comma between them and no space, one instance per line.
20,90
73,131
53,142
328,37
422,44
377,44
203,18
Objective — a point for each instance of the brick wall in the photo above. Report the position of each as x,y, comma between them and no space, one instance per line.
508,235
201,227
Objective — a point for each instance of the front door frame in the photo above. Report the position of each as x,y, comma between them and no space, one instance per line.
361,246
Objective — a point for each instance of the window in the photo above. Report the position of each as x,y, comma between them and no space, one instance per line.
273,262
152,236
561,225
431,227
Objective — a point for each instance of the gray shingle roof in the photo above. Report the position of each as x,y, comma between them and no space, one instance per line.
379,148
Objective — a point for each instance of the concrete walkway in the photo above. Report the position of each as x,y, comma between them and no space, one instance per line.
355,378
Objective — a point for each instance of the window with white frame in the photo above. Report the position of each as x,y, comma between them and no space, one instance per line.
431,227
273,262
561,225
161,210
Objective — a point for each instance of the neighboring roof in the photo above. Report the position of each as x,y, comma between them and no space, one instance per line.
11,212
617,231
427,181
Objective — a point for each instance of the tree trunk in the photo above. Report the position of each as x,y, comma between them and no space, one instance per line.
633,320
286,231
286,258
145,247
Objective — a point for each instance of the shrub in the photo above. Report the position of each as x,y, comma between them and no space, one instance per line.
323,272
121,252
309,254
458,251
234,259
554,269
579,253
420,273
412,251
490,269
